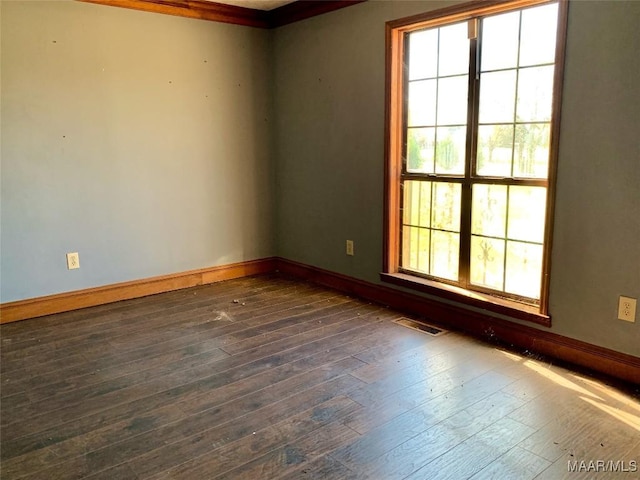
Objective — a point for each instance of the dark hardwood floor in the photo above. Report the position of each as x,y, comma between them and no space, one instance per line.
268,377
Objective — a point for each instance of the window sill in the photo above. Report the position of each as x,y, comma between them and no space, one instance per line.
475,299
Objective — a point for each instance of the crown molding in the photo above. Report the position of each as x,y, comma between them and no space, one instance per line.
216,12
301,9
219,12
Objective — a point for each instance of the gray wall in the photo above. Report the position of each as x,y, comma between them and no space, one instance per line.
329,104
141,141
101,154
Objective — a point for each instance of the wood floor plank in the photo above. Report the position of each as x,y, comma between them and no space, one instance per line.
112,393
319,317
171,316
411,339
412,378
224,340
442,395
210,398
561,429
48,401
110,365
292,457
78,437
184,376
472,455
380,440
102,319
117,432
64,382
220,425
324,351
322,468
175,385
516,464
121,472
619,464
422,357
29,462
80,351
440,438
217,461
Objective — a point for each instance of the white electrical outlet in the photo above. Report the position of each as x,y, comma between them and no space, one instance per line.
350,248
627,309
73,260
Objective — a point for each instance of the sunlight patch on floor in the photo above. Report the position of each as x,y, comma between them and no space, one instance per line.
632,420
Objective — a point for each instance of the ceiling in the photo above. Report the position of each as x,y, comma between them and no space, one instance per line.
255,4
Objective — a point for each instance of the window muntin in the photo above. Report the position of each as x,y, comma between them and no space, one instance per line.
474,195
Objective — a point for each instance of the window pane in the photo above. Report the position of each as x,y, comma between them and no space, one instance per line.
421,143
532,150
538,44
446,206
444,254
409,254
423,249
500,41
487,262
497,97
450,150
526,213
524,269
535,92
417,203
452,100
423,54
422,103
495,149
424,216
454,50
489,210
410,207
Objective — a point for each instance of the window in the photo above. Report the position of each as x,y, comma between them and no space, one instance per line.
473,95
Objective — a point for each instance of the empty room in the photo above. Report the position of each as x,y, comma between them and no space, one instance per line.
271,239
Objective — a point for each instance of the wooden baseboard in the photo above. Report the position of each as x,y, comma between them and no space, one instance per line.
609,362
64,302
592,357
